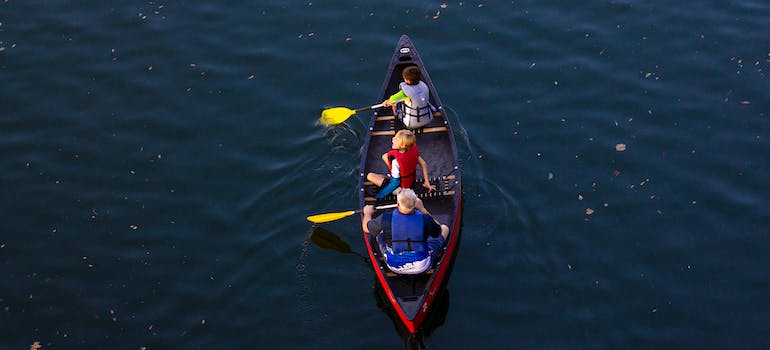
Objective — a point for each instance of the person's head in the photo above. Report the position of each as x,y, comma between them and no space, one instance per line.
411,75
404,139
406,200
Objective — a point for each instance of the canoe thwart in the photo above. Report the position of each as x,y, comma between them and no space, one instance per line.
430,130
416,131
424,195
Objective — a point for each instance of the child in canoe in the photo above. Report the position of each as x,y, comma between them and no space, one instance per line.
414,94
402,161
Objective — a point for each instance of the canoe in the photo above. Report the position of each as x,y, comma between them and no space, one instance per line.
412,296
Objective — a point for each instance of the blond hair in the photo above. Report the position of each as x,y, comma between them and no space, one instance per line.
407,199
405,138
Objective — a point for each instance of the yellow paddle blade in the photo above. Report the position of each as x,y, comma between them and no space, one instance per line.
336,115
329,216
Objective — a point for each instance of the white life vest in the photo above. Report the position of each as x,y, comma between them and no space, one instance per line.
417,109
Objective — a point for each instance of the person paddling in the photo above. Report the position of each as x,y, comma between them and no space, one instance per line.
414,93
402,162
409,237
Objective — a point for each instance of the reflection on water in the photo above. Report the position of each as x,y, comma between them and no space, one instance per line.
326,239
433,321
435,318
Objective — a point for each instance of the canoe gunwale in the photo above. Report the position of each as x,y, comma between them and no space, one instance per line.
413,311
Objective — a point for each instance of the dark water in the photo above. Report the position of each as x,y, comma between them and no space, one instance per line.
159,158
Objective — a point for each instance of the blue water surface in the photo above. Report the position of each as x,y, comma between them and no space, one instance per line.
158,160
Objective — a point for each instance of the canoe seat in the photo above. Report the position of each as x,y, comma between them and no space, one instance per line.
432,180
393,274
444,187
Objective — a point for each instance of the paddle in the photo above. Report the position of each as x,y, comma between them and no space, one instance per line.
338,115
320,218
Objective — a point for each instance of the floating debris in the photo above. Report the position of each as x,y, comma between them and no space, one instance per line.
620,147
589,211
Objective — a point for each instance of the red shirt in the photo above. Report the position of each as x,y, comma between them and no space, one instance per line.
407,161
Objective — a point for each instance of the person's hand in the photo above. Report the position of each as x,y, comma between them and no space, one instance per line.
427,185
368,210
387,103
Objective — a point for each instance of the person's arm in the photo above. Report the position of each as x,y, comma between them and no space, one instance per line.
421,207
386,159
433,230
395,98
368,211
425,181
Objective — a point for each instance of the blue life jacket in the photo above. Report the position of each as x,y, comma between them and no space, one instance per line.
408,237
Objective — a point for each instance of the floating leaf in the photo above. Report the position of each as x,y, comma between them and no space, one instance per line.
589,211
620,147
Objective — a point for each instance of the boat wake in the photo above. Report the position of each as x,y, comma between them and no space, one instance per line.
483,194
305,309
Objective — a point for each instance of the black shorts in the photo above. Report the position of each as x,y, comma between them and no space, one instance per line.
385,182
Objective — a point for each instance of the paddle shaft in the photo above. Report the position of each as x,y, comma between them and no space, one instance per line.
370,107
388,206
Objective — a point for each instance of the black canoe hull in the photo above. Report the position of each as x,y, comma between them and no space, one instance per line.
412,296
